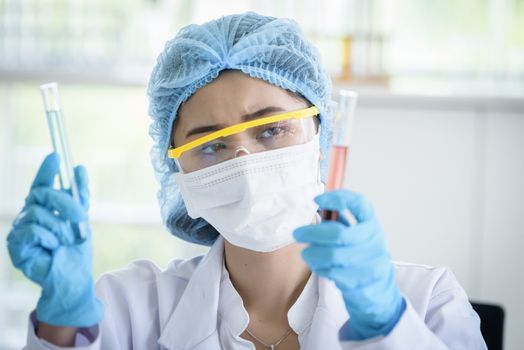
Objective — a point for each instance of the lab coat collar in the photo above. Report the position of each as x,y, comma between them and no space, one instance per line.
231,308
300,315
193,323
195,317
330,315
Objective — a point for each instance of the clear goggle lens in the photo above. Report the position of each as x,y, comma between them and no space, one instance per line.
290,132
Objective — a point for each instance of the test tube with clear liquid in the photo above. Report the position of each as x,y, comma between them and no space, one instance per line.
342,129
55,123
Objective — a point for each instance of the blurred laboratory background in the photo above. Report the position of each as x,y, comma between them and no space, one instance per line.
438,141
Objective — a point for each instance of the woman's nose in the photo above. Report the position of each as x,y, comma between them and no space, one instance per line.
241,151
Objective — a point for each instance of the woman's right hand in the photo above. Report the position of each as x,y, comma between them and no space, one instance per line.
43,245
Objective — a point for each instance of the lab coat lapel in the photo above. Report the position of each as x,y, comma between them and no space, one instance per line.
329,317
193,323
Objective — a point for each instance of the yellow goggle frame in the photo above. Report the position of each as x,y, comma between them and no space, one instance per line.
234,129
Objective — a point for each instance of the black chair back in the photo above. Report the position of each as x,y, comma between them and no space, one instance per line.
491,324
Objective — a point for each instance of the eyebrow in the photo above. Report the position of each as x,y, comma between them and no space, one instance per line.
245,118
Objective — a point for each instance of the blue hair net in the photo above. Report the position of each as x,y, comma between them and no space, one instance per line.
268,48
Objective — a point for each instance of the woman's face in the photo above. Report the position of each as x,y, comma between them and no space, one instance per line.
227,101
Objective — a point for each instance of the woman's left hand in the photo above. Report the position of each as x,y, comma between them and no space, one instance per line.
356,259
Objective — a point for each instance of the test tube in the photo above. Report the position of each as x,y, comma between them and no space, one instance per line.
55,123
342,128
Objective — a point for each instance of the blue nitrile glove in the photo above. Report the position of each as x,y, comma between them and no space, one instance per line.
43,246
356,259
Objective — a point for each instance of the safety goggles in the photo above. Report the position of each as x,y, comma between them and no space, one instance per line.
258,135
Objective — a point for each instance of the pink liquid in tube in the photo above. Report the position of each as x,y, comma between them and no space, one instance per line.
340,149
337,167
336,173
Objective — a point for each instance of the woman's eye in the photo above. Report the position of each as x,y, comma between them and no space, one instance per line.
212,148
271,132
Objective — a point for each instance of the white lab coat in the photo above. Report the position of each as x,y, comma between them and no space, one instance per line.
176,309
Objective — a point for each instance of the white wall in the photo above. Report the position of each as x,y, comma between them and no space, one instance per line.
446,178
502,261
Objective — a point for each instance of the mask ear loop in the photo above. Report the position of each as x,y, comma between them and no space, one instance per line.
179,167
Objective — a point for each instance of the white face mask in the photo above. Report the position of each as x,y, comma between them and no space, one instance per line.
256,201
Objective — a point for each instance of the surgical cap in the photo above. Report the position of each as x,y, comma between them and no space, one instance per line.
268,48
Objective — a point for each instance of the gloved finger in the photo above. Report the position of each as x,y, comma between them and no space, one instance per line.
82,181
59,201
36,214
45,177
27,235
32,259
36,268
30,249
335,233
351,256
341,200
358,276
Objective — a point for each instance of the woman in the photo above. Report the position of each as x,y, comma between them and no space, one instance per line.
241,122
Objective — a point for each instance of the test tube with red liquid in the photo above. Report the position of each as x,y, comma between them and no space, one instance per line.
342,128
